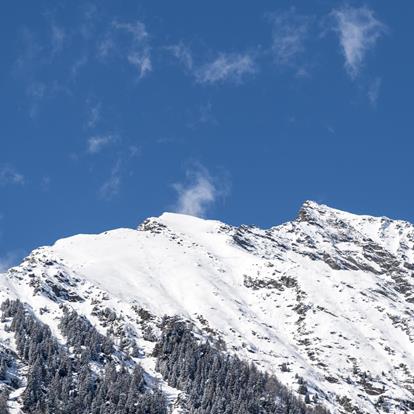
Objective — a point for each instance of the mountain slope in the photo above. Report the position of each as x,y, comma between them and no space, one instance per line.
325,302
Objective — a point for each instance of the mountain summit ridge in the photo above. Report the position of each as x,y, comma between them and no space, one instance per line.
326,299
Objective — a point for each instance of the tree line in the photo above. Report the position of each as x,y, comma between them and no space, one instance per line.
218,383
60,381
89,374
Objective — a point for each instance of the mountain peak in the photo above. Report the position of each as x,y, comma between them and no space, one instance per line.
179,223
327,298
311,210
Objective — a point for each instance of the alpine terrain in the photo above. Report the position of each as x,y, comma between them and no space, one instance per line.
185,315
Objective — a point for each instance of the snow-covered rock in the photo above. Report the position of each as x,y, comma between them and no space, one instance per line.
327,297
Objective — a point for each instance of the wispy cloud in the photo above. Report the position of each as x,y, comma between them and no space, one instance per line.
183,54
233,67
9,260
121,168
97,143
358,30
374,91
224,67
6,262
106,46
45,183
134,151
202,115
199,191
9,175
141,61
30,53
89,11
136,29
137,50
36,92
289,34
28,61
39,92
35,55
58,38
111,186
330,129
93,113
78,64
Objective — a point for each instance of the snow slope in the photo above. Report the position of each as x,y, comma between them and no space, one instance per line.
328,297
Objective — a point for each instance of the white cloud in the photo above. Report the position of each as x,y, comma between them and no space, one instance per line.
183,54
227,67
374,91
111,186
136,29
138,52
359,31
106,46
38,92
142,61
232,67
34,57
202,115
331,129
93,113
89,11
45,183
290,31
78,64
58,38
134,151
30,52
9,175
98,142
206,114
199,192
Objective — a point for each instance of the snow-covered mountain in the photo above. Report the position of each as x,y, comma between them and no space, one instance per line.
324,302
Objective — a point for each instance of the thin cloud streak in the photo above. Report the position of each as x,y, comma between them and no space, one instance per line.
138,53
121,168
106,46
58,38
374,91
110,188
10,176
136,29
289,34
78,64
141,61
97,143
233,67
94,114
183,54
202,115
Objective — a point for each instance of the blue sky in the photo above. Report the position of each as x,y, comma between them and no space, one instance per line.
116,111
